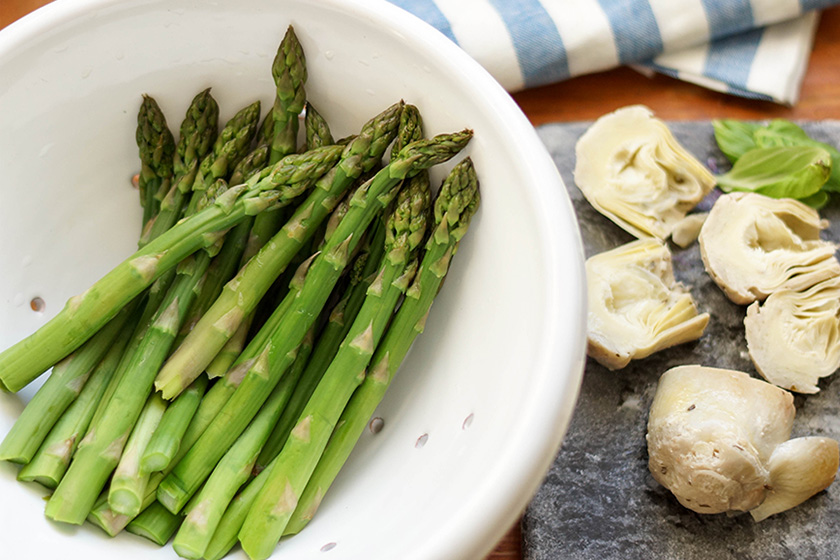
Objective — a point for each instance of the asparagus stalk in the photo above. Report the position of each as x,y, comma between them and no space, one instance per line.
341,318
85,314
112,522
166,440
129,479
157,146
227,262
455,205
155,524
232,144
248,333
240,296
76,495
62,387
235,467
53,457
128,485
338,324
198,132
323,273
287,479
316,127
58,392
289,72
99,452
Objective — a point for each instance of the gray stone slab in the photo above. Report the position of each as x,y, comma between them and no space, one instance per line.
598,500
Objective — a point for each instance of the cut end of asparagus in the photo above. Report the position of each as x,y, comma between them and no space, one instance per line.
59,510
125,502
155,462
46,481
172,496
186,551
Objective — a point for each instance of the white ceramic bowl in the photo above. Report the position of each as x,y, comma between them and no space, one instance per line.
493,380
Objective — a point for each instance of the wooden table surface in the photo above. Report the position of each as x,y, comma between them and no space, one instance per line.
588,97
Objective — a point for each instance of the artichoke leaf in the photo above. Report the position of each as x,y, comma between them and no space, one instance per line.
753,245
636,307
793,339
633,171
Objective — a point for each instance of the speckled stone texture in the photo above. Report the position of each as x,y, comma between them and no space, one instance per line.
599,501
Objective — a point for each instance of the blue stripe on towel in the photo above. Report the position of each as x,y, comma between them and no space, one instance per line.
728,16
808,5
539,48
634,27
730,59
427,10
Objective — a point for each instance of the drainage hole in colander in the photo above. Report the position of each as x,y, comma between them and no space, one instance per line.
421,441
376,425
327,547
467,421
37,304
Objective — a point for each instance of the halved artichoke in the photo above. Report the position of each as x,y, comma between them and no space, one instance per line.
636,307
753,245
794,337
631,169
718,440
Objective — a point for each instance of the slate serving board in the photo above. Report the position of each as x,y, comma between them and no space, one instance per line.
598,501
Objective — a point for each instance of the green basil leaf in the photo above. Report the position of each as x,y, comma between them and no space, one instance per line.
781,132
780,172
734,138
816,200
787,128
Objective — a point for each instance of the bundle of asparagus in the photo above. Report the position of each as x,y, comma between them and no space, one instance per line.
214,382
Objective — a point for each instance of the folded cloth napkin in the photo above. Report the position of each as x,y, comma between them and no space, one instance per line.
752,48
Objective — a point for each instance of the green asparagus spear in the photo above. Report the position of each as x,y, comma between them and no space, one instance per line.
53,457
317,129
58,392
240,296
129,479
112,522
155,524
157,146
198,132
340,319
153,137
232,144
167,438
406,229
323,273
235,467
289,72
227,262
100,451
85,314
455,205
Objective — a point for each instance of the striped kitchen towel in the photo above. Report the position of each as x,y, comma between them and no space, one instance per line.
752,48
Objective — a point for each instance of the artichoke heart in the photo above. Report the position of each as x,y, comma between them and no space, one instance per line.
636,307
633,171
753,245
719,441
794,337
